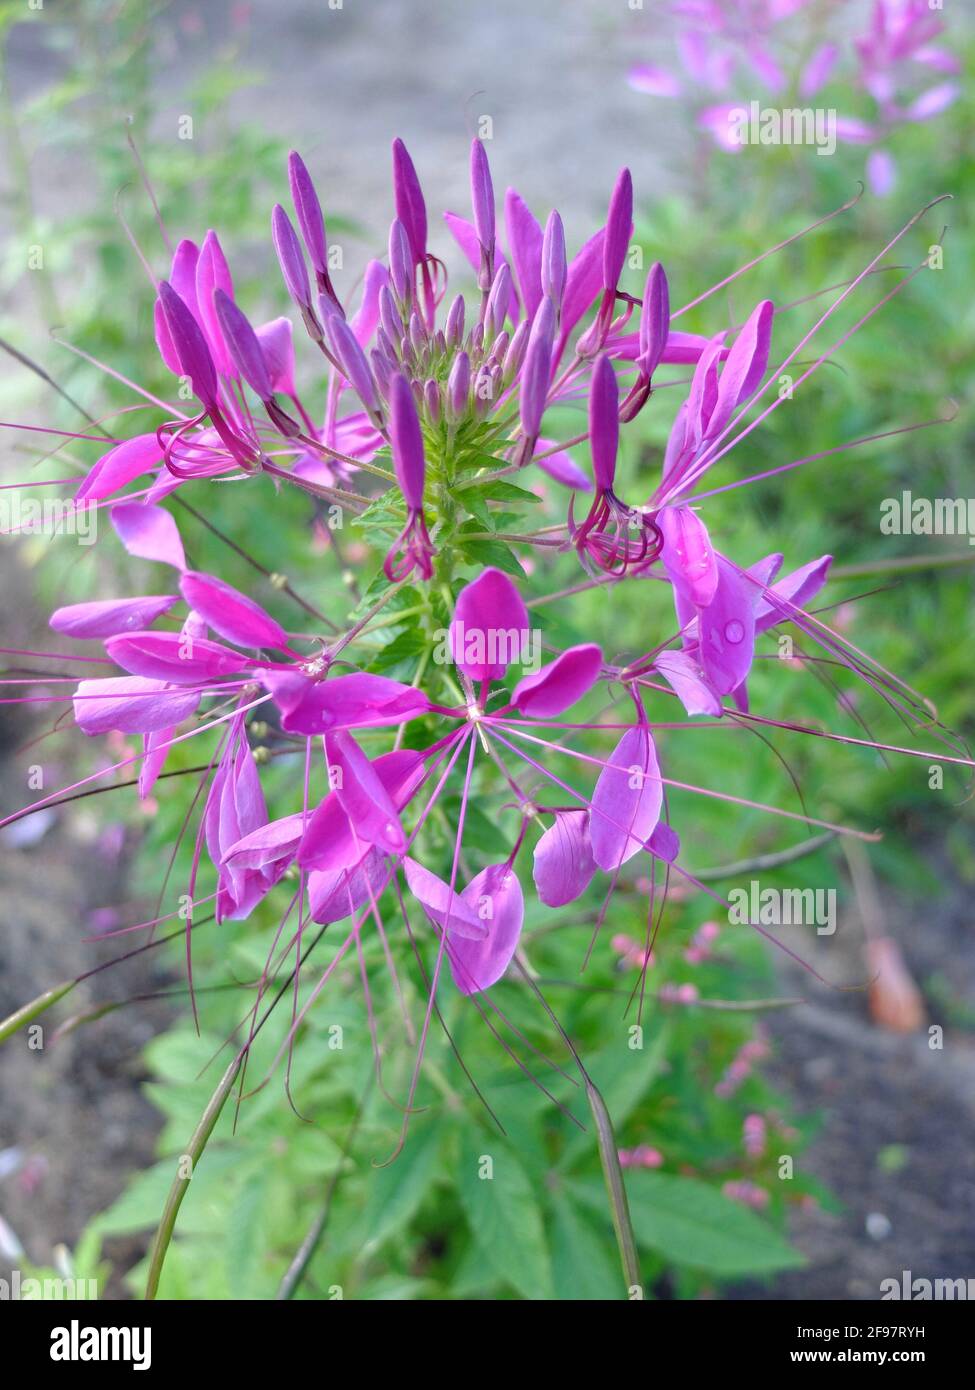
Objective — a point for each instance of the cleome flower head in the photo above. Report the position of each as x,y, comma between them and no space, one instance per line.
330,789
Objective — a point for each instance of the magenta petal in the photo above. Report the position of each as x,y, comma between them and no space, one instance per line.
268,844
564,865
189,344
744,367
406,440
536,370
652,80
149,533
619,224
366,317
604,421
490,627
524,237
627,800
308,210
243,345
277,343
106,617
560,684
495,896
363,797
155,746
466,238
583,282
410,206
688,554
440,905
212,274
171,656
120,466
356,701
231,614
334,896
688,681
795,589
664,842
329,842
562,467
130,705
727,630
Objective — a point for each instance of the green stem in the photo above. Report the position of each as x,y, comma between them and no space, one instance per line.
177,1192
898,566
28,1012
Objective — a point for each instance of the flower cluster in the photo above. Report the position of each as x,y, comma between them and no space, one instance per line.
431,409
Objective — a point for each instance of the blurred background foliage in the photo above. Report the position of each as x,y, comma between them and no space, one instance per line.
280,1164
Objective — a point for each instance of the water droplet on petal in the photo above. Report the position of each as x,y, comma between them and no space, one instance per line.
734,631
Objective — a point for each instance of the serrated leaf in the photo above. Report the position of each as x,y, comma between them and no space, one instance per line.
245,1235
396,1191
583,1266
496,553
502,491
505,1218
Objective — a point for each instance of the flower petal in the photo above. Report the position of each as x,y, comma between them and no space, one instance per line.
627,800
130,705
489,628
564,865
356,701
106,617
174,656
230,613
496,898
362,795
561,683
119,466
435,897
688,554
686,678
149,533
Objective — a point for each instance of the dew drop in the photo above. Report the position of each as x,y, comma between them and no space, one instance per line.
734,631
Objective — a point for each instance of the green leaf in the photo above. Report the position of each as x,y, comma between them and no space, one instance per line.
246,1236
502,491
399,656
495,553
396,1191
690,1223
504,1216
476,503
584,1268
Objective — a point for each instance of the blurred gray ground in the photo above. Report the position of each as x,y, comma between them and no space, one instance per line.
549,73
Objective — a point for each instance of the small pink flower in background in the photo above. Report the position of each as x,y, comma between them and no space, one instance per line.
748,1193
742,1065
754,1133
641,1157
632,952
701,943
679,994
